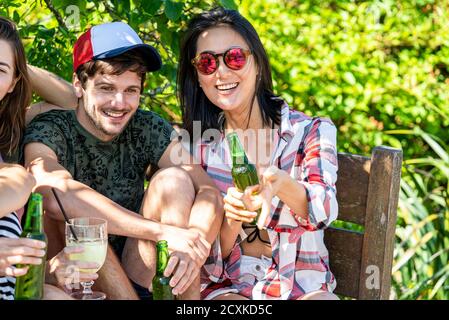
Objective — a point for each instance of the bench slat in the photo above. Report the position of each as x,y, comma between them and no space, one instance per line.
352,187
345,250
377,254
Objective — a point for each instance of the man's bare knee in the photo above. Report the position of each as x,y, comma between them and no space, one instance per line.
174,182
169,197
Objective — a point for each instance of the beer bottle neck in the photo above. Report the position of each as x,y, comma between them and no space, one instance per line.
238,154
34,218
162,260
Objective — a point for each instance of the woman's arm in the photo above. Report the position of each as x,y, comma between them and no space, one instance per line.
39,108
310,194
15,187
52,88
288,190
277,182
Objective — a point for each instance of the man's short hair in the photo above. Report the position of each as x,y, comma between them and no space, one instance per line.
129,61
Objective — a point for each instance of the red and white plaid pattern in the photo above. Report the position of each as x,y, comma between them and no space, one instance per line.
300,261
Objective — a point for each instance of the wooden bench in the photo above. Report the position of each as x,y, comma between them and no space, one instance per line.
367,193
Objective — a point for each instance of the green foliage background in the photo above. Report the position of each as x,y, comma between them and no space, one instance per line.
379,69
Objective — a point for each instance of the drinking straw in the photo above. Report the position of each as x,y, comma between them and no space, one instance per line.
64,214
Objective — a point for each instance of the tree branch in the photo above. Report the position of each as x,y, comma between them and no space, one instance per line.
159,90
56,13
111,11
152,36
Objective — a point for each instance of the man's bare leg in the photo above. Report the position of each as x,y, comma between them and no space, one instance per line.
168,199
55,293
113,281
55,231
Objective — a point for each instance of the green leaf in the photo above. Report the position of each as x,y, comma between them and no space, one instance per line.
436,147
16,17
228,4
349,78
62,5
173,10
410,253
12,5
122,7
81,5
166,35
59,4
151,6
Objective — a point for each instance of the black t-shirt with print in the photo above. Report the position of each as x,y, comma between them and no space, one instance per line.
116,168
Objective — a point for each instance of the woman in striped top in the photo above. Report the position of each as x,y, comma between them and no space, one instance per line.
225,83
15,186
15,182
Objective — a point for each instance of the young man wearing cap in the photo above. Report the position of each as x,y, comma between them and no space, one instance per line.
96,157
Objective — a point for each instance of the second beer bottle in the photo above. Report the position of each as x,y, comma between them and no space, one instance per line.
244,173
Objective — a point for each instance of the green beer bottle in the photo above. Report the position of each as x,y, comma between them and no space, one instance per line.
244,173
161,287
31,285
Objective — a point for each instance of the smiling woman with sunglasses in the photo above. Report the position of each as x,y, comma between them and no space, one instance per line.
224,83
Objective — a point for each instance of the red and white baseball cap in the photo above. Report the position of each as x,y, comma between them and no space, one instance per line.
109,40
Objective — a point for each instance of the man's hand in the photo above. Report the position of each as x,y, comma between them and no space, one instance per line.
189,252
19,251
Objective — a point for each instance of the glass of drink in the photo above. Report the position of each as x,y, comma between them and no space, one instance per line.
92,235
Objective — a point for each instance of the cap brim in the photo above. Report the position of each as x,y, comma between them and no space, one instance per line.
151,56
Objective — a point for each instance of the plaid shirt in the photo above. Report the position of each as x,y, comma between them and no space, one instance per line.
300,264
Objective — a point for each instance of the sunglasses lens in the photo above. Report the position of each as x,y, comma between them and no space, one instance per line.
235,58
206,63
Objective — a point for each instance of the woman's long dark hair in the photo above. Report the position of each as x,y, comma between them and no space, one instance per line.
13,105
195,105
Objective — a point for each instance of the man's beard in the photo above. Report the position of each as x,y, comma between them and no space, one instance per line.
96,122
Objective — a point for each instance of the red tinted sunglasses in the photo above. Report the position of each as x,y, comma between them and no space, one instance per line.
234,58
